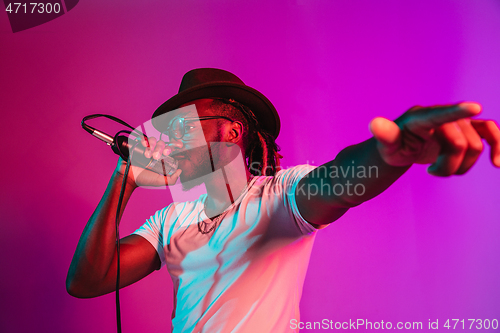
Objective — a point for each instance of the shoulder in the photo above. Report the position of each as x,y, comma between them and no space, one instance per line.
298,171
291,176
284,181
278,192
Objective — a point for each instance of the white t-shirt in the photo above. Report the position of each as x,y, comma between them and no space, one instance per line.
247,275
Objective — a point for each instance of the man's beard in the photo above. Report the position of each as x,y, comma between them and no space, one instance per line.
205,161
201,168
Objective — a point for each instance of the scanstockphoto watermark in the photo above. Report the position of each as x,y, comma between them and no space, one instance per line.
338,180
328,324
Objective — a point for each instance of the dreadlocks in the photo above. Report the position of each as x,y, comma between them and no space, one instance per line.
261,151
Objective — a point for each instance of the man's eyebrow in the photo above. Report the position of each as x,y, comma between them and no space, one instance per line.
180,115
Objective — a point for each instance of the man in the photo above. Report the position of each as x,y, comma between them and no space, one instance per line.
238,255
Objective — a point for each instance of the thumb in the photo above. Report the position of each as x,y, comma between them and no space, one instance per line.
171,180
387,133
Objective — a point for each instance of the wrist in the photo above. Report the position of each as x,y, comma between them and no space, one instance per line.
117,180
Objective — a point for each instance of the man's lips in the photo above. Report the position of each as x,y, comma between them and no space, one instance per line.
179,156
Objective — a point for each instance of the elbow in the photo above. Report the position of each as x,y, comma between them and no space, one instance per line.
350,202
74,293
78,290
73,290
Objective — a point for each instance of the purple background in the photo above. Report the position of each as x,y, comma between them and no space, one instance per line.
425,249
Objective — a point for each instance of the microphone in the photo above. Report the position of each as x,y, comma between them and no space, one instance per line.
165,166
98,134
124,147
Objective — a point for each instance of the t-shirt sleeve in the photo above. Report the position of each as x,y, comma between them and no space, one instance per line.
289,180
152,231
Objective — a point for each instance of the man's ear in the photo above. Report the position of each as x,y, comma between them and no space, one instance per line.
236,132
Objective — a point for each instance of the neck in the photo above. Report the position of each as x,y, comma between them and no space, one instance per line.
225,185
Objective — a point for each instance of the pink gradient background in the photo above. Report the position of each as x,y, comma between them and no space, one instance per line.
428,248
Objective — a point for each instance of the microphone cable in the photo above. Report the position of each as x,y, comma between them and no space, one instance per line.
112,141
117,231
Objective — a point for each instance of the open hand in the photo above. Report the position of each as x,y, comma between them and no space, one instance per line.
443,136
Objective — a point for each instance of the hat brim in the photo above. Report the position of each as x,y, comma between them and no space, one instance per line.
263,109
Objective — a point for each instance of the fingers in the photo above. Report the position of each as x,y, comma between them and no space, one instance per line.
489,131
474,146
167,150
150,144
145,141
398,147
154,148
387,134
425,118
171,180
158,150
461,145
453,149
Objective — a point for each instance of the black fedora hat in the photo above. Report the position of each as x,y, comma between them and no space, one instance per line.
217,83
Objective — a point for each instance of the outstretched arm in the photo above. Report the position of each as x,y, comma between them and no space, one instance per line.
443,136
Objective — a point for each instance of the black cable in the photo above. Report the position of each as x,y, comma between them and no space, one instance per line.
91,129
120,200
98,115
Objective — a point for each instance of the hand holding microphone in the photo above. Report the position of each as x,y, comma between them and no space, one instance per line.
151,164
